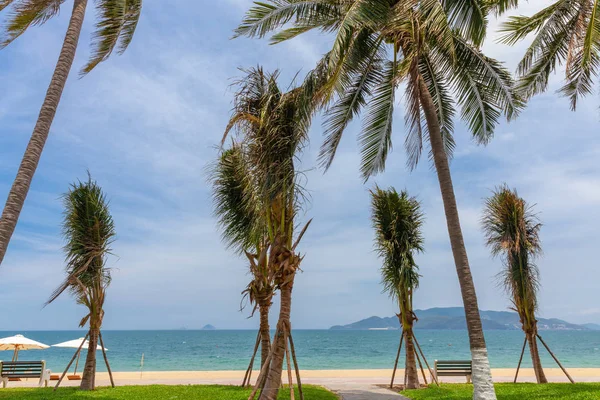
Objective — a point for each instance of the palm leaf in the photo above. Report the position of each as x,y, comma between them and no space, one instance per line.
23,14
376,137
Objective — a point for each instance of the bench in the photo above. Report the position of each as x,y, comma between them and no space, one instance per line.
24,369
454,368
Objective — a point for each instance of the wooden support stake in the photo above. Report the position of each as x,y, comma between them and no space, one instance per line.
248,375
425,359
397,358
520,359
112,382
421,366
298,381
71,362
555,359
289,366
262,377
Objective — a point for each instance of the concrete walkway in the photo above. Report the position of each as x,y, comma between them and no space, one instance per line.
353,391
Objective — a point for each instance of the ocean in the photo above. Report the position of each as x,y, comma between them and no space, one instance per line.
189,350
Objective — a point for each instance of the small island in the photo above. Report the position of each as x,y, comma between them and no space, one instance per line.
208,327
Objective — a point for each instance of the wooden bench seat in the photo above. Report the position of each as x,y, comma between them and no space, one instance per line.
24,369
454,368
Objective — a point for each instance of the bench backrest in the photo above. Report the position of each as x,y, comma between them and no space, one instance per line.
453,366
22,369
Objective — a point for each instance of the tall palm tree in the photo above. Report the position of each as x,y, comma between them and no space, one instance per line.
117,20
397,220
238,208
512,232
89,231
432,47
566,32
273,127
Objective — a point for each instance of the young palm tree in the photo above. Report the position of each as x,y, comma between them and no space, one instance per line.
238,208
117,20
566,32
273,127
89,231
433,48
512,232
397,220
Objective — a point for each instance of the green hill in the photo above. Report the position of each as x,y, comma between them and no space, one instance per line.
454,318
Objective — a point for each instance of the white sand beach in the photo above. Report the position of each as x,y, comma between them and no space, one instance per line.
326,378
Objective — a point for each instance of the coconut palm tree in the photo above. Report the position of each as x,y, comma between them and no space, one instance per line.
89,231
397,220
566,32
273,126
433,48
117,21
512,232
238,208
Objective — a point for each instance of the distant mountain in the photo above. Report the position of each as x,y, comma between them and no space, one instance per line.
208,327
454,318
594,327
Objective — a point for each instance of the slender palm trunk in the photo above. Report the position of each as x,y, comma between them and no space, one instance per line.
273,383
31,158
412,374
482,377
88,380
265,334
540,376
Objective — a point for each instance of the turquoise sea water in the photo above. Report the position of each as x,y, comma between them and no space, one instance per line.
316,349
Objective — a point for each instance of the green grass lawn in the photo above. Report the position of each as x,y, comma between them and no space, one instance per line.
509,391
157,392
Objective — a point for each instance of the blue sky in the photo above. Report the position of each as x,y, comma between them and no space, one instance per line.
146,124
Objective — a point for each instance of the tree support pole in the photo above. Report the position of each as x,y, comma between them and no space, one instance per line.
555,359
71,362
262,377
397,358
520,359
421,366
112,382
248,374
289,366
298,381
426,363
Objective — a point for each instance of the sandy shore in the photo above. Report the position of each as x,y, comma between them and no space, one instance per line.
320,377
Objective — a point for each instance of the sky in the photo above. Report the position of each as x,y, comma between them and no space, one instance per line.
147,124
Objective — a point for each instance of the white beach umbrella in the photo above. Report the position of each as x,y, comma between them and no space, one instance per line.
18,343
75,344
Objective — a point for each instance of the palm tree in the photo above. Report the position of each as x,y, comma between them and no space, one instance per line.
432,47
397,220
117,20
566,32
237,206
273,127
512,232
89,231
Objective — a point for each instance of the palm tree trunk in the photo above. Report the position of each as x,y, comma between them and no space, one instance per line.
88,381
412,374
33,152
482,377
265,334
273,382
540,376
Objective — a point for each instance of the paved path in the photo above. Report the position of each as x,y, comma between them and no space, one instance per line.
352,391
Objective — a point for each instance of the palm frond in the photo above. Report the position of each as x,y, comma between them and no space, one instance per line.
353,98
485,90
89,231
265,17
511,231
397,220
499,7
117,21
24,13
376,137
